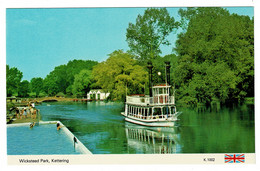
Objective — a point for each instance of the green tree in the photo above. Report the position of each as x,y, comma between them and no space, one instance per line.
159,66
120,75
150,32
215,55
13,79
36,85
23,89
61,79
74,67
82,82
56,81
50,85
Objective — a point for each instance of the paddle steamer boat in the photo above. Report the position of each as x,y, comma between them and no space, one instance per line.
156,109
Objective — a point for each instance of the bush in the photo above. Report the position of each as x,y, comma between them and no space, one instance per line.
60,94
42,94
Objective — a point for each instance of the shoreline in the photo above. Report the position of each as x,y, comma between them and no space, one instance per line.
39,100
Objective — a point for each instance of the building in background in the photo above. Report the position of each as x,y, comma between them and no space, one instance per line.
97,94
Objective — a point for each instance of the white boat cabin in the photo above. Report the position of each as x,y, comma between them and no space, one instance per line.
160,105
156,112
160,97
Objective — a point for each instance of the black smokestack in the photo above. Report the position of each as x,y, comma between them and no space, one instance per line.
150,67
167,70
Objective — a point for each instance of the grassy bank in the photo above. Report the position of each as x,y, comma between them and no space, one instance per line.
216,102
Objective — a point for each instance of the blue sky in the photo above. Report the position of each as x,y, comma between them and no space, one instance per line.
38,40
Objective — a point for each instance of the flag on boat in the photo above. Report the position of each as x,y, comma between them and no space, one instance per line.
234,158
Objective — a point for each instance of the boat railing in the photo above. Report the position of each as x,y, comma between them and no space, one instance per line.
156,100
151,117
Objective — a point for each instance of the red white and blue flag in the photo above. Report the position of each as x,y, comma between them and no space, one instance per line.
234,158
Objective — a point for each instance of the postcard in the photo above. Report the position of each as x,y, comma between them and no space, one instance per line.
130,85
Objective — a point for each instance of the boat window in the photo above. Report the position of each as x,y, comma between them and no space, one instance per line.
148,111
172,110
140,111
157,111
155,92
166,110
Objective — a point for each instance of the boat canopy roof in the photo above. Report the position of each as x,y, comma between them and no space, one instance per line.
137,95
163,85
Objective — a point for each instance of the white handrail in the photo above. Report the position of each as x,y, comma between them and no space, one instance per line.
156,100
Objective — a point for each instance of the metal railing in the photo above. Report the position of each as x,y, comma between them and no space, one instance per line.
156,100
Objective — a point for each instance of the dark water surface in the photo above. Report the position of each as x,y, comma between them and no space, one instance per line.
102,129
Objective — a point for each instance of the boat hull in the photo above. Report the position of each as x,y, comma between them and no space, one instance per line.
157,123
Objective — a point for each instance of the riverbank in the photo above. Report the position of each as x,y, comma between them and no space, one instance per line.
217,102
24,120
46,99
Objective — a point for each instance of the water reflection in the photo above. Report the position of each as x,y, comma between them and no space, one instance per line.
152,140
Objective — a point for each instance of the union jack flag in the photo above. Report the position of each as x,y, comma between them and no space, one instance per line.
234,158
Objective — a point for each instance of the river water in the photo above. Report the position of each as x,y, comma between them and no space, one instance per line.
102,129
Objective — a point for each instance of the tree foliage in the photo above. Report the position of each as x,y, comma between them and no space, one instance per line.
13,79
74,67
120,75
61,79
36,85
159,66
216,56
23,89
82,82
214,59
50,85
150,32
